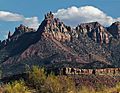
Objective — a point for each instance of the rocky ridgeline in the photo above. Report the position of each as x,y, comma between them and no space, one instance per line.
114,29
18,32
23,29
95,31
55,28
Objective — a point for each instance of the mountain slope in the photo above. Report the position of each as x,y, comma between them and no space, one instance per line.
55,45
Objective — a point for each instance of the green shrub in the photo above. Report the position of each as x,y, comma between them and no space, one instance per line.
37,78
68,84
16,87
85,89
59,84
50,83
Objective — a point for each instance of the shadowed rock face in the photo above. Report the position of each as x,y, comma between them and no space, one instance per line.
56,45
114,29
22,29
19,31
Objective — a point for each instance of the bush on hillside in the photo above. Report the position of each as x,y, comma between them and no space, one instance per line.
16,87
50,83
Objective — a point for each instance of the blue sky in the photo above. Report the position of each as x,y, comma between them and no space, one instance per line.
34,10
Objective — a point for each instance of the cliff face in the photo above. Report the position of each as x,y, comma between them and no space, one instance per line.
95,31
55,45
114,29
55,28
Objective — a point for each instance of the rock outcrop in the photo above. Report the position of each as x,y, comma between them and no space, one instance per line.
76,71
19,31
22,29
114,29
55,28
95,31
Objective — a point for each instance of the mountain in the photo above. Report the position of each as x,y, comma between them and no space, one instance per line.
55,45
114,29
95,31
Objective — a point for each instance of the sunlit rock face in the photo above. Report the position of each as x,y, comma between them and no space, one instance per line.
55,28
114,29
95,31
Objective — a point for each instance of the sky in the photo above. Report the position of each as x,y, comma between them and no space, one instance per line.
71,12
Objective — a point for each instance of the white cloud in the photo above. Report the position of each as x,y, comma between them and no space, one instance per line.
74,16
71,16
9,16
32,22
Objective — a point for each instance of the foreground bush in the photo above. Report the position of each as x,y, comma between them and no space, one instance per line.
37,78
57,84
50,83
16,87
86,89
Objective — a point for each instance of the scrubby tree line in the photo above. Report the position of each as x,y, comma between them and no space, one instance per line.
38,81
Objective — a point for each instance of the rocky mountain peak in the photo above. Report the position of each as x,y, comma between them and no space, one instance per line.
116,23
23,29
53,27
114,29
19,31
95,31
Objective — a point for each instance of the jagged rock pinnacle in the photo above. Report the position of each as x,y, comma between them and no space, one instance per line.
55,28
114,29
95,31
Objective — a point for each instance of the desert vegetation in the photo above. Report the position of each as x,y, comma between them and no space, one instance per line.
39,81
